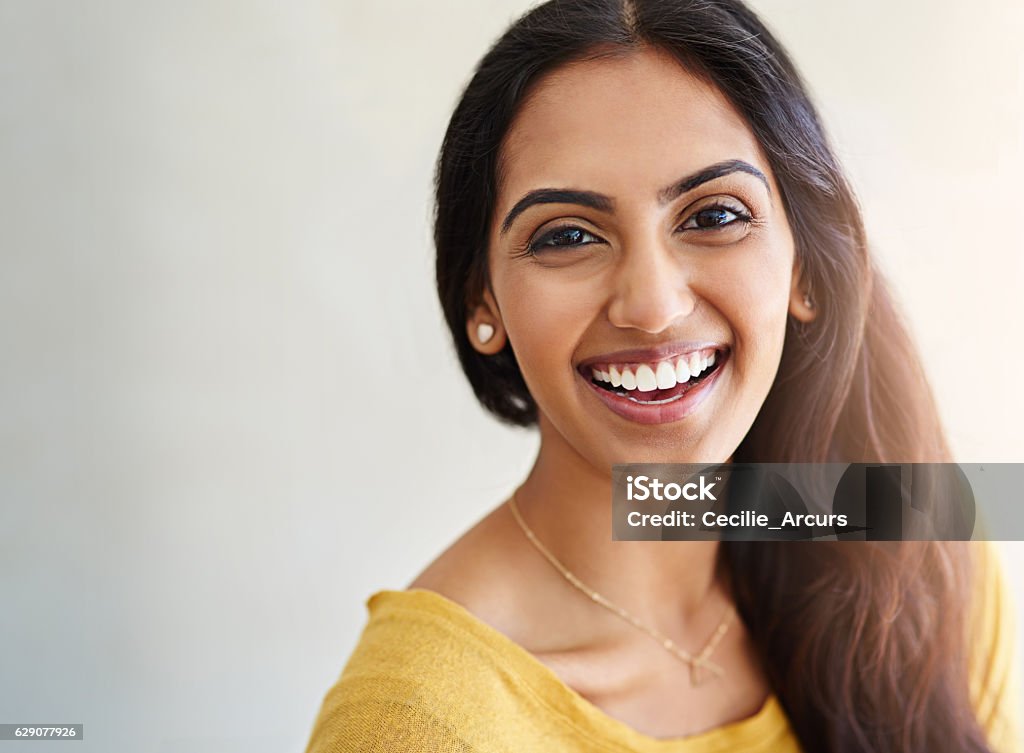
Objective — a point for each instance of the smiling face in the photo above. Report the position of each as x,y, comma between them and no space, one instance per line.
639,242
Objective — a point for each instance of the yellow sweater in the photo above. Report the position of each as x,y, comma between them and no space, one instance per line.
427,676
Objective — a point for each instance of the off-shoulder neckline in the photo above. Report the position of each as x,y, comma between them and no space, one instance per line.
758,731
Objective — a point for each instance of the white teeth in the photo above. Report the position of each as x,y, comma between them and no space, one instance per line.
682,370
665,375
645,379
695,364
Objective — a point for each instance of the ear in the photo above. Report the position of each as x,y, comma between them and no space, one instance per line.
802,305
484,327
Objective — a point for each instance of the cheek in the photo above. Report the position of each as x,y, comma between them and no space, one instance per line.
752,293
545,319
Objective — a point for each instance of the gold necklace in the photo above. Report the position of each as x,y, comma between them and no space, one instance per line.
701,660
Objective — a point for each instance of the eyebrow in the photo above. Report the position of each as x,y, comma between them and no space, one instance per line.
604,203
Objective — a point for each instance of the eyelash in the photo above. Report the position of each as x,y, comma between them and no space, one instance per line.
533,247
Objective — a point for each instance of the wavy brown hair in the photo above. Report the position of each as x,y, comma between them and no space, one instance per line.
864,642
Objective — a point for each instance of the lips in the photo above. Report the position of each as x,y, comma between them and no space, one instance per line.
656,391
662,352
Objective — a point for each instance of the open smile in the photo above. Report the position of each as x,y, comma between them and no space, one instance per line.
658,391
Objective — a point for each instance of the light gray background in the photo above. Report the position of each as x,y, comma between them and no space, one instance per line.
228,407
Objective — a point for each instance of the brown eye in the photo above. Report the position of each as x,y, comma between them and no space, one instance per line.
568,236
711,218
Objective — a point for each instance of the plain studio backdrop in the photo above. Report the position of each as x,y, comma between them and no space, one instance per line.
230,409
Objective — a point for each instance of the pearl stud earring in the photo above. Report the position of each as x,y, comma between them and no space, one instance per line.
484,332
808,302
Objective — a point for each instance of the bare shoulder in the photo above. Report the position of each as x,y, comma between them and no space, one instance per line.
468,568
494,572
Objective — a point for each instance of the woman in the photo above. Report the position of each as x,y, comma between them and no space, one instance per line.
646,248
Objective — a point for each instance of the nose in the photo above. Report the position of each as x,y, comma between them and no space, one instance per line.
652,287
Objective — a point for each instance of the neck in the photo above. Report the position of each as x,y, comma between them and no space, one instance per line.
566,502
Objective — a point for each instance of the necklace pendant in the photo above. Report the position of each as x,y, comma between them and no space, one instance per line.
696,677
699,677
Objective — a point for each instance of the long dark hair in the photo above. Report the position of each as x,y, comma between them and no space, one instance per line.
863,641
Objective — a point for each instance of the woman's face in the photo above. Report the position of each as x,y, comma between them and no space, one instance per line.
639,235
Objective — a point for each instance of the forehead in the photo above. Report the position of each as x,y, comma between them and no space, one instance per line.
625,126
